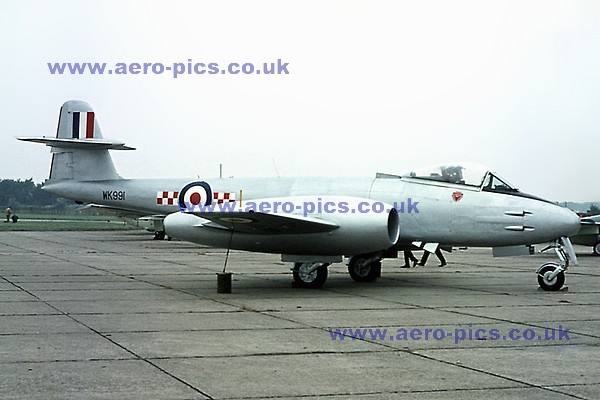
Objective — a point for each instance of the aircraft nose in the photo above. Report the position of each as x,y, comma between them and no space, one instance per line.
551,221
568,221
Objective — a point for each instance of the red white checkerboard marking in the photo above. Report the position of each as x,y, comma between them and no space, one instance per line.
166,198
223,197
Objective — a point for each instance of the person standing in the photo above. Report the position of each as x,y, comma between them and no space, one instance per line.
8,212
438,253
409,258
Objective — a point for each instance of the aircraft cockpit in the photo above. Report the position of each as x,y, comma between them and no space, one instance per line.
492,183
468,174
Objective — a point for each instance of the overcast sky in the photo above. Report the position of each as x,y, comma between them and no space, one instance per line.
373,86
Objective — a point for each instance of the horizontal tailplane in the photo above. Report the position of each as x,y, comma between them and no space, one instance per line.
79,152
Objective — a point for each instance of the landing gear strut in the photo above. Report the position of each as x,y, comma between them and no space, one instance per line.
551,276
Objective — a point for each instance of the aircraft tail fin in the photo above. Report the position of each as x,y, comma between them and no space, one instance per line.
79,152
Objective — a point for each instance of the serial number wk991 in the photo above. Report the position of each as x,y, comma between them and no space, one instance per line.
113,194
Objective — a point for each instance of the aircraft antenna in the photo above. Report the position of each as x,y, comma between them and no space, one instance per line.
275,166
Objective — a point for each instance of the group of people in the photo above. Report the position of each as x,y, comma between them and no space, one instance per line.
409,258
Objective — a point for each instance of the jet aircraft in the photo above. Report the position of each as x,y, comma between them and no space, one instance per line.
589,235
313,222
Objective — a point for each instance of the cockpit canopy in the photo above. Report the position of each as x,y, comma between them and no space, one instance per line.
468,174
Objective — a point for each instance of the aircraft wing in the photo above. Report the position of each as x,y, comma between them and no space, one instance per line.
592,220
266,223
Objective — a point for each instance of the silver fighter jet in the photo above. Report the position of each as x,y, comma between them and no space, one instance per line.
589,235
313,222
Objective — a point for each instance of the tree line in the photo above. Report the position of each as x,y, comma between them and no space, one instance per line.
18,194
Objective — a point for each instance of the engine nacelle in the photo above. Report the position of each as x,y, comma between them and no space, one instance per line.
351,226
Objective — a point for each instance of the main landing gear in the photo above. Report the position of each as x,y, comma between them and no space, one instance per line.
365,268
551,276
362,268
597,248
310,274
161,235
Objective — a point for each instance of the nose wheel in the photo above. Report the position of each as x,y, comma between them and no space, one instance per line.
551,277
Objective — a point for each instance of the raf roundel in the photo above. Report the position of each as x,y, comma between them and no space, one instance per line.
194,196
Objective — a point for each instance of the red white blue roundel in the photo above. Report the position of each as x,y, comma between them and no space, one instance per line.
194,196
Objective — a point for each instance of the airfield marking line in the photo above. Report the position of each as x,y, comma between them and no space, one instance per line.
533,385
417,391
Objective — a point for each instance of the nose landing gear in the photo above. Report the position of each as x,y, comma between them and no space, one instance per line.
551,276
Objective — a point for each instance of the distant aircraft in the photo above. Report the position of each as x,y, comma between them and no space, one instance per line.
313,222
589,235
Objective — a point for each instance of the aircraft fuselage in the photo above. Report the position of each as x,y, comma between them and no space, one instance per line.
453,215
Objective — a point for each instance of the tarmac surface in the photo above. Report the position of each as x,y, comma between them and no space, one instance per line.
116,315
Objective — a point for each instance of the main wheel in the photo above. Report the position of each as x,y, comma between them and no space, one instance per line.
597,248
310,274
544,280
362,271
